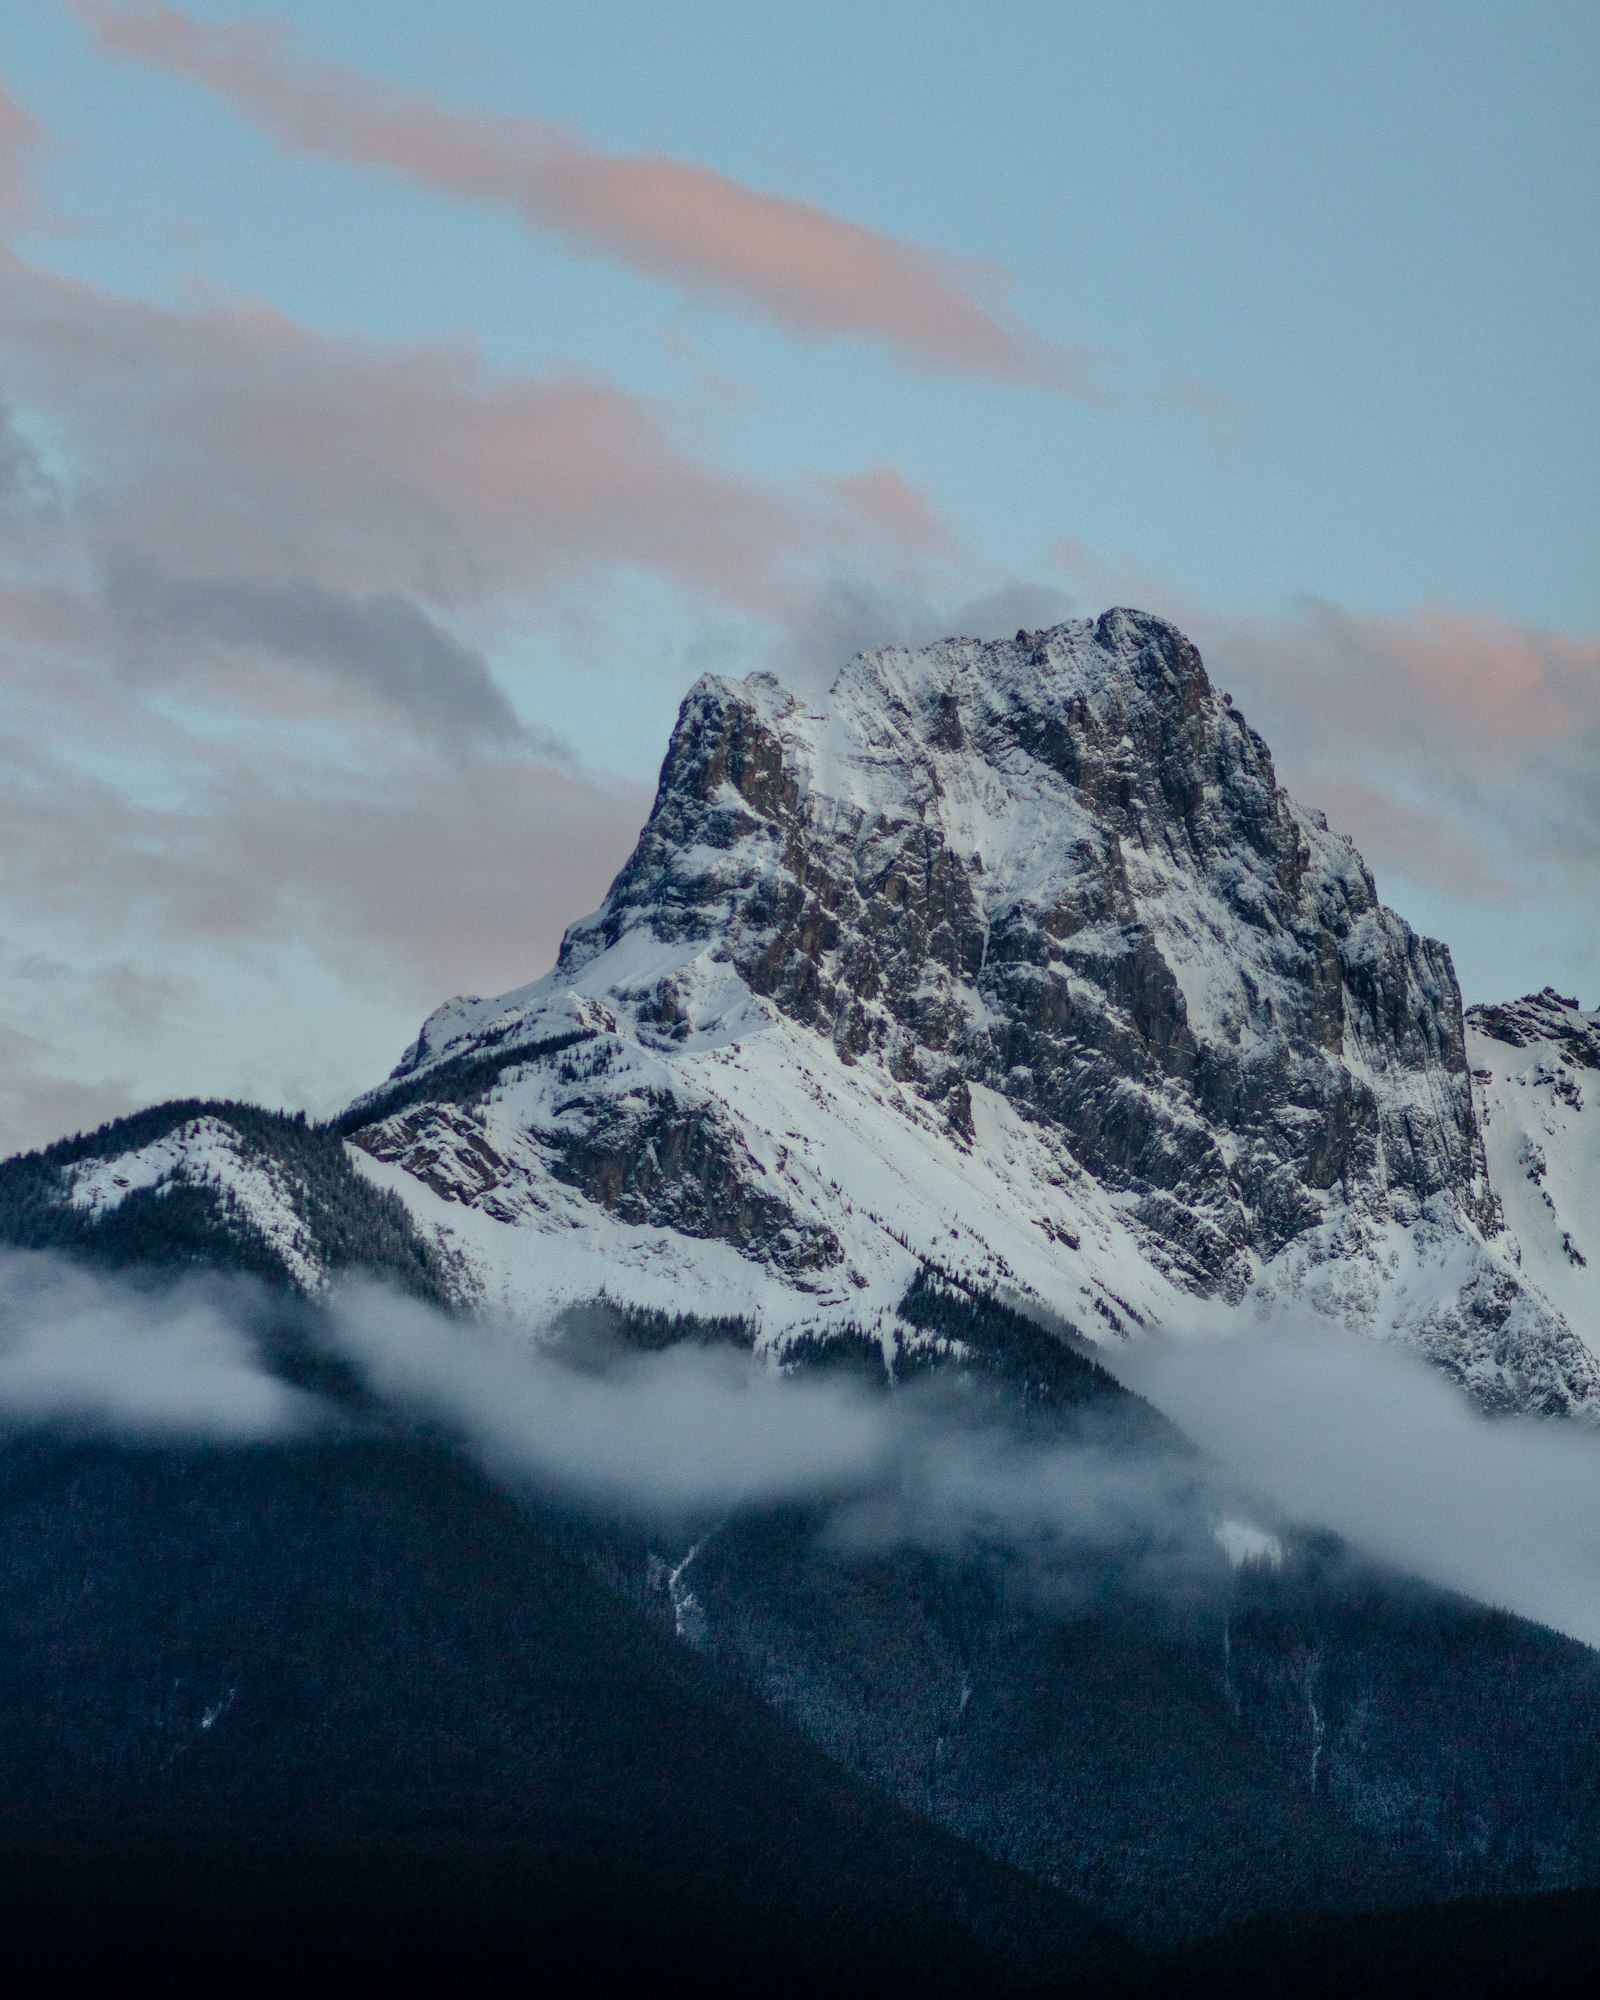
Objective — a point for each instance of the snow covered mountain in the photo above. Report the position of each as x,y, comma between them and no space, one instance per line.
1012,960
1010,963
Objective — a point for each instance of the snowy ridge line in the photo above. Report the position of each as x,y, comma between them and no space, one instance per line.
205,1151
457,1077
218,1185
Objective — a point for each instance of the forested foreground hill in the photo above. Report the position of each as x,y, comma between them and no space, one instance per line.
331,1711
342,1699
336,1714
204,1184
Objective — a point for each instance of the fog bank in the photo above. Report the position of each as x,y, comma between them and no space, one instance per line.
692,1433
1310,1427
89,1350
1372,1442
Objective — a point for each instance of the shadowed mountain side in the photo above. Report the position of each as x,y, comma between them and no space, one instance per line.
1179,1742
1308,1740
344,1706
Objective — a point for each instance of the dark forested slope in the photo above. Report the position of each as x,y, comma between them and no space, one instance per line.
344,1704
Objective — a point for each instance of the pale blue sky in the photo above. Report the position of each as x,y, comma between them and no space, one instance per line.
1367,231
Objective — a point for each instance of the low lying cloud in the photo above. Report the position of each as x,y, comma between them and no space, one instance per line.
682,1437
1301,1427
691,1434
811,272
690,1430
1371,1442
92,1352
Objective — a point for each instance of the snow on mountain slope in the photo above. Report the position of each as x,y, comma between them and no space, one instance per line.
1536,1064
753,1173
220,1185
1010,959
205,1152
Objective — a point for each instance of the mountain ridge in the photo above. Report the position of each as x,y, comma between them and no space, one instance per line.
1007,959
1043,905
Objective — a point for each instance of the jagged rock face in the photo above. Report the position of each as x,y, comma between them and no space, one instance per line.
1062,868
1009,962
1536,1064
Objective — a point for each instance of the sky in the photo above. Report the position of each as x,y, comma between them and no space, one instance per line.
403,403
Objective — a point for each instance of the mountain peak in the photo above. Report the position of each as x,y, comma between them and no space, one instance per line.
1009,959
1006,966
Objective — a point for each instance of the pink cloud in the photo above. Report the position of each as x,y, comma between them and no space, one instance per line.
812,272
1459,748
899,511
1498,682
249,735
229,439
1435,680
239,439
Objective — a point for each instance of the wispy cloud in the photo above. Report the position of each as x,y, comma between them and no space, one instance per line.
227,439
446,871
811,272
1427,845
826,624
259,588
1457,747
693,1433
1373,1443
87,1351
384,645
1485,683
38,1103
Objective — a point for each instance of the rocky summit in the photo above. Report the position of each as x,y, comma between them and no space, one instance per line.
1009,965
